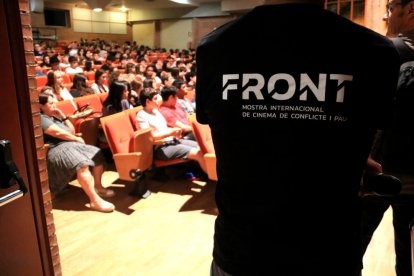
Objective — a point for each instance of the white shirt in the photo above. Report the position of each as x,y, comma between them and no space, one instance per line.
156,121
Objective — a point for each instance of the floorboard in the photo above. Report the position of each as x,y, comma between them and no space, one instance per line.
169,233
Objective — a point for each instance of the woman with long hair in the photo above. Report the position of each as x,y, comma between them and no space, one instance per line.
117,99
80,87
55,81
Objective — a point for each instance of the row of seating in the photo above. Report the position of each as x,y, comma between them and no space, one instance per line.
132,148
66,78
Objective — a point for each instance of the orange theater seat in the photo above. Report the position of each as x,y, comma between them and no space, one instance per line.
90,75
41,81
202,134
66,78
103,96
88,127
91,101
132,115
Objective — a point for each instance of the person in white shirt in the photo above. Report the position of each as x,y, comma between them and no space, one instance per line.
167,140
73,66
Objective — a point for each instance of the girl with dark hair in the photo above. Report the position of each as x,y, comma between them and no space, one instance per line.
80,87
88,66
99,85
117,99
69,155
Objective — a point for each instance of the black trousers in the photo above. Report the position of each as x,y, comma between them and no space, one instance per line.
403,212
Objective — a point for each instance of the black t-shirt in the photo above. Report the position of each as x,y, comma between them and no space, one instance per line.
293,95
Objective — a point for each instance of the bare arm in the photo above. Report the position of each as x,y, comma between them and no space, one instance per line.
55,131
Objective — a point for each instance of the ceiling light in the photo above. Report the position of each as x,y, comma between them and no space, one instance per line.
97,5
124,9
186,2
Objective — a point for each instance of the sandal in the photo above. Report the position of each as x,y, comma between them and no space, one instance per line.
105,193
102,206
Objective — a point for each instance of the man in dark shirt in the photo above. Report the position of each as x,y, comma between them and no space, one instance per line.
394,148
292,133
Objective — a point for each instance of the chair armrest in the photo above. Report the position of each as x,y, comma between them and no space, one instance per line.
125,162
143,143
210,159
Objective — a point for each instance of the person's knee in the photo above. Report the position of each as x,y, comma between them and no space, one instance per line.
194,154
83,169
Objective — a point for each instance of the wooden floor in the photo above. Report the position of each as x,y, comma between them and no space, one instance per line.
169,233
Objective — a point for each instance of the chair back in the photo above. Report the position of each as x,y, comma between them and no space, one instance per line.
132,114
202,134
118,131
93,100
67,106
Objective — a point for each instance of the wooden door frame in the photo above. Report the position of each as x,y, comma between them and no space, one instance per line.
17,48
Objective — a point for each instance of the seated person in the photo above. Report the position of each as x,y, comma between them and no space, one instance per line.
169,144
73,67
99,85
69,155
55,82
80,86
174,113
117,99
186,104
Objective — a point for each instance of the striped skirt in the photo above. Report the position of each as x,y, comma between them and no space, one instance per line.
66,158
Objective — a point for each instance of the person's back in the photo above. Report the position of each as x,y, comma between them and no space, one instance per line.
292,133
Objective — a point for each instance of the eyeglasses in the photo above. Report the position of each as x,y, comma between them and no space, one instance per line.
391,6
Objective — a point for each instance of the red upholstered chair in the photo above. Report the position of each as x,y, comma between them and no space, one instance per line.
67,106
88,127
132,115
202,134
132,151
66,79
92,101
41,81
90,75
103,96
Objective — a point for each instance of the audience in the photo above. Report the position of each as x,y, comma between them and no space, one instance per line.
169,144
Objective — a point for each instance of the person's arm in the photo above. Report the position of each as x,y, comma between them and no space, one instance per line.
59,114
170,132
55,131
184,127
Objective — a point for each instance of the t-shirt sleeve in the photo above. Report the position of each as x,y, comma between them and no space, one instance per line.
142,121
46,122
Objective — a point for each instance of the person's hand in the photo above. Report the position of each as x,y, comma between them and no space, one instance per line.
373,167
80,140
59,113
176,132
